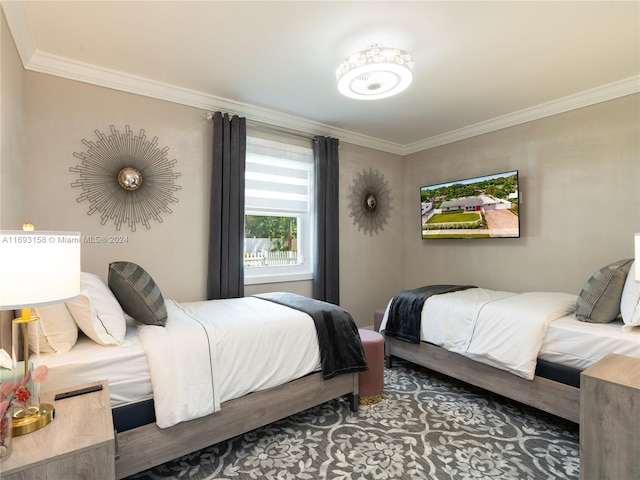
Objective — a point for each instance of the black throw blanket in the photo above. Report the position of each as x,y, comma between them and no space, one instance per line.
340,345
405,311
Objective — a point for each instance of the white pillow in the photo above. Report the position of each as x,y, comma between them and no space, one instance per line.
58,331
97,312
630,301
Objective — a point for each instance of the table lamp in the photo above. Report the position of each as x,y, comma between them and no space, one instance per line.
637,255
37,268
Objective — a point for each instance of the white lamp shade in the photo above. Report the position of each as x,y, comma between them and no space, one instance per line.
637,257
38,268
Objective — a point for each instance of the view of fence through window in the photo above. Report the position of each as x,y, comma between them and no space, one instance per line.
270,241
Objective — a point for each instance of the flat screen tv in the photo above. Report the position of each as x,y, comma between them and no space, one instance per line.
479,207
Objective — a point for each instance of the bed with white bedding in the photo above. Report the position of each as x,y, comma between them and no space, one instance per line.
527,346
194,374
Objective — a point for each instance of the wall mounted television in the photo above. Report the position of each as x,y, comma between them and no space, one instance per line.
479,207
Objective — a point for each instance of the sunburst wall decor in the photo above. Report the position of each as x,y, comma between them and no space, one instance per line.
370,201
126,178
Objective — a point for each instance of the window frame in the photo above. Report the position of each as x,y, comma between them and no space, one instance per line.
305,233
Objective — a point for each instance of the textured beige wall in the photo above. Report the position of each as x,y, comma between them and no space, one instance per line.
580,179
60,114
370,265
11,131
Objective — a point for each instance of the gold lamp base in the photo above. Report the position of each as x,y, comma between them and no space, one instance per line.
24,424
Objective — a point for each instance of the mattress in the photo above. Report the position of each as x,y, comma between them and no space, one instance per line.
125,367
579,345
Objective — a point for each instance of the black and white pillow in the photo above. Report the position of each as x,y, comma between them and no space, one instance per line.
599,299
137,293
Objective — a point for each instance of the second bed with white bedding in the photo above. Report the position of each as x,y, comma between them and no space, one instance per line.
511,331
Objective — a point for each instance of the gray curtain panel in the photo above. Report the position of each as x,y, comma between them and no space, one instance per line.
326,271
225,278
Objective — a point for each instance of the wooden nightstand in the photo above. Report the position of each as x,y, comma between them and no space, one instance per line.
78,444
609,420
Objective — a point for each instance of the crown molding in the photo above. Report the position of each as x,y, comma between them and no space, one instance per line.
42,62
16,17
83,72
610,91
63,67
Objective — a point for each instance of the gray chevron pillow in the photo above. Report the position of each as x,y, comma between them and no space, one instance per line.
137,293
599,299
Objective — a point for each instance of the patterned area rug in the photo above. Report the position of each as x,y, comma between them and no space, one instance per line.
427,426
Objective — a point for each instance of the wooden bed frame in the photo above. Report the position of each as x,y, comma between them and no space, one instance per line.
547,395
147,446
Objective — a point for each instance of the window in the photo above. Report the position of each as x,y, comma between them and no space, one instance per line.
278,211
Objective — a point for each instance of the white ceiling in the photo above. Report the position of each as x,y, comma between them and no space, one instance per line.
479,65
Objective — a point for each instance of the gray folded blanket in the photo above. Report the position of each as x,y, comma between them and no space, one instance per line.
340,345
405,311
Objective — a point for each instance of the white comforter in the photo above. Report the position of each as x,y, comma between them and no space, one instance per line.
213,351
502,329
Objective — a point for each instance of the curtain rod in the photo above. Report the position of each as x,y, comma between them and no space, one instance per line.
274,128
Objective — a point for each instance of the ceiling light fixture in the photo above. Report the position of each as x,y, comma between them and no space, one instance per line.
376,72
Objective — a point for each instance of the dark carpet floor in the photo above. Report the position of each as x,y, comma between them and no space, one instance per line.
427,427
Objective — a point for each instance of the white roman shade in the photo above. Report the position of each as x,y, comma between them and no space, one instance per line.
277,177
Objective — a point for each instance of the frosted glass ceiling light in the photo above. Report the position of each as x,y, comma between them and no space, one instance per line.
376,72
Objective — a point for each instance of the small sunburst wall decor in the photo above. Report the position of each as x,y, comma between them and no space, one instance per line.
370,201
126,178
